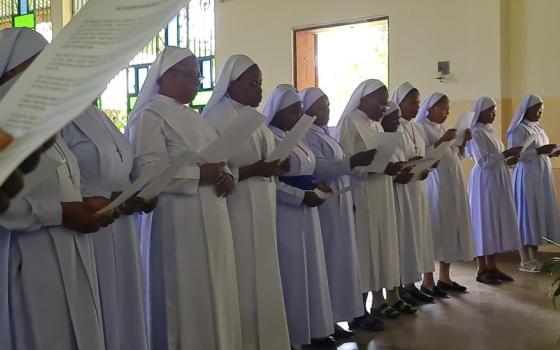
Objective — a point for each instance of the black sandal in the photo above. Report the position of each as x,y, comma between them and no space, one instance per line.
385,311
405,308
487,277
453,287
502,276
436,292
367,323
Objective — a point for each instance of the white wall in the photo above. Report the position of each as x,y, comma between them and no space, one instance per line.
420,33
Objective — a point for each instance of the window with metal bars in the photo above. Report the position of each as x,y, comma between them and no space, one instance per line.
194,28
34,14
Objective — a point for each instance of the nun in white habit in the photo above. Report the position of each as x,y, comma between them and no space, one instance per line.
105,159
408,236
336,215
54,293
51,281
375,217
533,182
449,204
252,209
413,197
300,246
186,241
16,47
490,194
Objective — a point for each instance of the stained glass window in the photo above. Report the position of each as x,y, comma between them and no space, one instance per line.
193,27
34,14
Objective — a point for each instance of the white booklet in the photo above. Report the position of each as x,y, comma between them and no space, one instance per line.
293,137
327,195
422,165
132,189
463,123
530,140
63,80
160,182
386,143
225,146
232,140
436,153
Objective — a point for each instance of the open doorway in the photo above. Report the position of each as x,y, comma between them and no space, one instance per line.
337,57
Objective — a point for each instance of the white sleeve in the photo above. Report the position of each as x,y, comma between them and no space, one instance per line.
150,154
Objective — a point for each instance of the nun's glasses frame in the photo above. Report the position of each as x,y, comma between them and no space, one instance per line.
189,75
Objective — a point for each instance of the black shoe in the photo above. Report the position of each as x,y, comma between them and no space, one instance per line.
341,334
420,296
407,298
487,277
405,308
437,292
385,311
502,276
454,287
367,323
328,343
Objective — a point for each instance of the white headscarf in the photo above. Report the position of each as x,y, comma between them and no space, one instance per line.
309,96
482,104
18,45
427,104
283,96
392,107
365,88
166,60
234,67
401,92
528,102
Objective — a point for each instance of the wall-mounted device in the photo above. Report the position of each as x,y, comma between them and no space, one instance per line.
444,70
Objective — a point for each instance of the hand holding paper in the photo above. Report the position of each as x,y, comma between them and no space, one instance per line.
70,72
293,137
546,149
231,141
386,143
436,153
463,124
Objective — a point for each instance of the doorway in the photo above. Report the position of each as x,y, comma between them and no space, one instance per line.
337,57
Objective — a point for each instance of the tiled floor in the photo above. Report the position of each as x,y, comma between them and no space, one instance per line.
517,315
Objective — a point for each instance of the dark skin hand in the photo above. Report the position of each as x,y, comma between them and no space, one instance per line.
362,158
393,169
80,217
546,149
468,137
512,152
424,175
260,168
224,186
449,135
323,187
15,183
310,199
211,173
214,174
135,204
284,167
512,161
403,177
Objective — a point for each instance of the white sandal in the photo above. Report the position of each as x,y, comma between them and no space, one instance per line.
530,267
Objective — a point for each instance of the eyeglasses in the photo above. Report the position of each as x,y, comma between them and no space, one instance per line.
189,75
